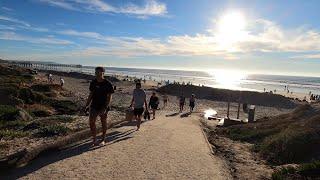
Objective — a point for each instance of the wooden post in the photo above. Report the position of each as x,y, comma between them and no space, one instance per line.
238,113
228,109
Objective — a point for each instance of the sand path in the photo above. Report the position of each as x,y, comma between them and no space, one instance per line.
164,148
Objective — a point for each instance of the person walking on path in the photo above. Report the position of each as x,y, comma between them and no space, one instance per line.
139,99
165,100
61,81
153,104
182,101
192,101
98,103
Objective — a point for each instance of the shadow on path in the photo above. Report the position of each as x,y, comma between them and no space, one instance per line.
52,156
172,114
187,114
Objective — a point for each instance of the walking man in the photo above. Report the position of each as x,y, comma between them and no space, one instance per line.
138,100
99,103
165,100
192,102
153,104
182,101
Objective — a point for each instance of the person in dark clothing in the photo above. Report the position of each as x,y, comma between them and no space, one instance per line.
182,101
98,103
153,104
192,102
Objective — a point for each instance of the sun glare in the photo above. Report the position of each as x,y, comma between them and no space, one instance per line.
231,29
227,78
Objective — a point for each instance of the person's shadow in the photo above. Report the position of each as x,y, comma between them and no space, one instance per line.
187,114
172,114
52,156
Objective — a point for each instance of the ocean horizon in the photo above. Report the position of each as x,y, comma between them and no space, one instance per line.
224,79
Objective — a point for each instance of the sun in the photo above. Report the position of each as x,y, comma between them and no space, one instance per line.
231,28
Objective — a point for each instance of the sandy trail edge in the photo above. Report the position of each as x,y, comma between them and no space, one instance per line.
165,148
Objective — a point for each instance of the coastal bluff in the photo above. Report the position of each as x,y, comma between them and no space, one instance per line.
215,94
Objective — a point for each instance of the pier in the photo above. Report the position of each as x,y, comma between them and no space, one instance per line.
48,66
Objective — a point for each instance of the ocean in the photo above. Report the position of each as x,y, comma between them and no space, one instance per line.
223,79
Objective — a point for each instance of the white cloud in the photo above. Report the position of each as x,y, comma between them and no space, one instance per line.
6,8
38,40
13,20
260,36
81,34
307,56
19,24
150,8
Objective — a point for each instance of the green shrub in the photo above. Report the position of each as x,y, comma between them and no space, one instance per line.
40,113
41,87
251,135
292,145
62,118
303,171
52,130
8,113
30,97
17,124
283,173
310,169
10,134
63,106
26,95
31,126
45,87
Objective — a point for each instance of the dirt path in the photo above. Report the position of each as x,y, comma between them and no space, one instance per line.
165,148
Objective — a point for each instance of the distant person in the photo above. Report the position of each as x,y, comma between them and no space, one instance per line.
61,81
50,78
264,89
137,102
153,104
182,101
192,102
99,101
165,100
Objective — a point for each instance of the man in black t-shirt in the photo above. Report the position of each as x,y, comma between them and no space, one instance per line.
99,103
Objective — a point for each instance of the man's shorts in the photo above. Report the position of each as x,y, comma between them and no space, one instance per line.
154,106
94,112
138,111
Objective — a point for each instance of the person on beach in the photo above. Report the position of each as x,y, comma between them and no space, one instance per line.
192,102
50,78
61,81
138,100
165,100
153,104
98,103
182,101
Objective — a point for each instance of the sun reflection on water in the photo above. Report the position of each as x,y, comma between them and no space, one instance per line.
228,78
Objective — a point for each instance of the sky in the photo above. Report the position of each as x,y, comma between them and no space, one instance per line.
256,36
